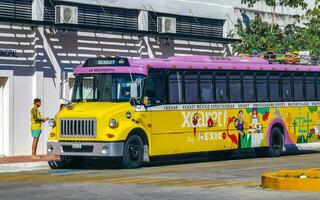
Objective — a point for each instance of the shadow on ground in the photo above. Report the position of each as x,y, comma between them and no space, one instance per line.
115,163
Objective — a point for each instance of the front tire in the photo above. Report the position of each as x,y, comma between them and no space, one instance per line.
133,152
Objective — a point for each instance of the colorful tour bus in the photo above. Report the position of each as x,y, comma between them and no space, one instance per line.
138,109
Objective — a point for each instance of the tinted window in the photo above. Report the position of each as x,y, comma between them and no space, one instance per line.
274,87
206,88
235,87
262,87
286,87
155,89
310,87
175,88
298,87
221,87
318,87
248,88
191,88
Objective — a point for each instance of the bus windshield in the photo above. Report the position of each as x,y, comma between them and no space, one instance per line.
103,87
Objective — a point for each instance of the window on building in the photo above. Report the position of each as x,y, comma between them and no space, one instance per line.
274,87
206,88
286,87
191,88
310,87
262,86
235,87
175,87
248,88
221,87
298,87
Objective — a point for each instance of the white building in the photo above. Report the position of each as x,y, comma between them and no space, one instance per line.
38,53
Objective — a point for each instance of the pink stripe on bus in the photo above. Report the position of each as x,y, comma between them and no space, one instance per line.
197,62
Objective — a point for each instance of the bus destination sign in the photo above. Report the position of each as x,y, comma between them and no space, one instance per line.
106,62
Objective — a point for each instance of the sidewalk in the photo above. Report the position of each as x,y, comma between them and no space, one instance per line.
25,163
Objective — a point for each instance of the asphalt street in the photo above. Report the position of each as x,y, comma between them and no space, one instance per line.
188,178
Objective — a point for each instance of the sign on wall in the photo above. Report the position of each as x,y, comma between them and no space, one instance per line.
8,53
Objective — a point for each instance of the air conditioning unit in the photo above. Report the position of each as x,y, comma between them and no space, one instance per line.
66,14
166,25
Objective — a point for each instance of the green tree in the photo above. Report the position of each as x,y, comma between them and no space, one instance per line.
309,35
259,36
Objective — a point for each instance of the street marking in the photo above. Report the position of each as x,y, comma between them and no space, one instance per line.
123,180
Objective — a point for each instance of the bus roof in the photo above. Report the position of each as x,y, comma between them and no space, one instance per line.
141,66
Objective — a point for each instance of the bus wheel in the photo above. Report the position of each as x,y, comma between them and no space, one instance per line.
133,152
275,142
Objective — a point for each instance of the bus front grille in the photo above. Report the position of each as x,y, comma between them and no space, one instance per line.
72,128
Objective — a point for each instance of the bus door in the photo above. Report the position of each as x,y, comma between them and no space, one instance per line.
164,136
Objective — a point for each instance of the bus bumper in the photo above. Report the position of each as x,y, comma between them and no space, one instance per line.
106,149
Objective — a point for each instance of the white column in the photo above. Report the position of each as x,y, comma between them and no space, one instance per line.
8,128
37,10
143,20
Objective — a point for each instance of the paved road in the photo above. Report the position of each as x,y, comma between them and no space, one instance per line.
238,178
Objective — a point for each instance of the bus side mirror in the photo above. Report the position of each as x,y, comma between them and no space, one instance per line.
134,88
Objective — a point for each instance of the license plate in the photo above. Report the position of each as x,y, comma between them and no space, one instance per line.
76,146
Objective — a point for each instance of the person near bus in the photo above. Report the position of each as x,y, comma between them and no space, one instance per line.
36,125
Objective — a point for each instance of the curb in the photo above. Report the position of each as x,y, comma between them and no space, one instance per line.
304,180
26,166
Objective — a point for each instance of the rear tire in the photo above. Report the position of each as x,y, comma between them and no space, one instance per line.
275,142
275,147
133,152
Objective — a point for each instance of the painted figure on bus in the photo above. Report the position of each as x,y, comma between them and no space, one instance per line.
195,123
239,122
254,119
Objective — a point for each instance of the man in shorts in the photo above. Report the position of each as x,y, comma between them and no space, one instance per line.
36,124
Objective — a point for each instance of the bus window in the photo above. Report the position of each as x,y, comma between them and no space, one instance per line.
298,87
191,88
175,87
235,87
262,87
206,88
310,87
318,87
286,87
155,89
248,88
274,87
221,87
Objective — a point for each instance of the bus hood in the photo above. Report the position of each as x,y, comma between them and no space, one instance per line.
93,109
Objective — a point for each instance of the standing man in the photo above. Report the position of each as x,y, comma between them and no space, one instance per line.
36,123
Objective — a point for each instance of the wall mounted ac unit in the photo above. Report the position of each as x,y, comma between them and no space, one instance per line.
166,25
66,14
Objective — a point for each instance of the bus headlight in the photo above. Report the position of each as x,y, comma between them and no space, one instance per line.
52,122
113,123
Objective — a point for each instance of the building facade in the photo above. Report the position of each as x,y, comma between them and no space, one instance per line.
41,41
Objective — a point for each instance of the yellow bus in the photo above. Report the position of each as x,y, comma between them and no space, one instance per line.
139,109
